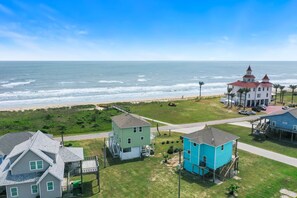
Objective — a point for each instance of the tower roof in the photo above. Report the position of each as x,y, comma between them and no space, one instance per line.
249,68
265,77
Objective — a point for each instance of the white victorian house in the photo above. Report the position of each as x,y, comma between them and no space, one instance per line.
259,94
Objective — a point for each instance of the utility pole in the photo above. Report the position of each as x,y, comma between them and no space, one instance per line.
179,172
104,151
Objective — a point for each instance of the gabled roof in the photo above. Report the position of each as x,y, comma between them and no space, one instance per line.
249,76
128,120
211,136
10,140
292,112
250,84
71,154
56,170
39,141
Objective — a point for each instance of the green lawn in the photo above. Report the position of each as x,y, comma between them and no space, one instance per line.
287,98
269,144
150,178
78,119
186,111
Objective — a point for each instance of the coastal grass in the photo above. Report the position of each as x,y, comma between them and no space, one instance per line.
74,120
260,177
269,144
185,111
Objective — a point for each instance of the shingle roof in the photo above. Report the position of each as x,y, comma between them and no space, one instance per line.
128,120
211,136
57,170
38,141
10,140
292,111
70,154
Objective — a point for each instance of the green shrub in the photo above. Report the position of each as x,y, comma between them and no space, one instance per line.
170,150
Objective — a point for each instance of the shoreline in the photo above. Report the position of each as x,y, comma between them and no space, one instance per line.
145,100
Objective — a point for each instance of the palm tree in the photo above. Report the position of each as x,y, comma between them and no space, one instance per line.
245,91
293,87
276,86
240,91
229,89
232,96
281,94
200,86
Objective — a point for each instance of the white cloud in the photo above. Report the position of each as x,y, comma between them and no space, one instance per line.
292,39
5,10
82,32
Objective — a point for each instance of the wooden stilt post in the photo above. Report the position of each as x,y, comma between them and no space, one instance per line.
179,172
104,154
81,177
252,129
292,136
214,175
280,134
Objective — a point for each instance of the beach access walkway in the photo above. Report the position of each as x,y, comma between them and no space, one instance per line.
188,128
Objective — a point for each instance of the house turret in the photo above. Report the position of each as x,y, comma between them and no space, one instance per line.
265,79
248,77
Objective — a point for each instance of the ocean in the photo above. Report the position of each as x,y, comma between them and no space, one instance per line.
26,84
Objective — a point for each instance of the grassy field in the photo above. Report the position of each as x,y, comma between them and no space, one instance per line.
150,178
186,111
78,119
269,144
287,98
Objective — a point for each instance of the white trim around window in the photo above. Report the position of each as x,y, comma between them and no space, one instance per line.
53,186
16,191
294,127
37,165
33,190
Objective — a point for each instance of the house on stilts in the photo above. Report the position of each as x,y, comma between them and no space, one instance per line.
280,125
211,152
130,137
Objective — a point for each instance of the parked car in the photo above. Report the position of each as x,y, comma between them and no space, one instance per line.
222,100
257,109
285,108
244,112
263,107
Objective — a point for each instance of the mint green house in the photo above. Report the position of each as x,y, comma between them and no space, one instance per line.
130,136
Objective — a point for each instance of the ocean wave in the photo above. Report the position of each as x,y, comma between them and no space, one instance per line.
141,80
66,82
141,76
192,87
110,81
14,84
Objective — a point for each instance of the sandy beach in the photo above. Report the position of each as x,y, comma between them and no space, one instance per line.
147,100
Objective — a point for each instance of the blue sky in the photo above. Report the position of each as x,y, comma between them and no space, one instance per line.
148,30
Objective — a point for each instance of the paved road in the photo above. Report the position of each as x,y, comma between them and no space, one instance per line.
268,154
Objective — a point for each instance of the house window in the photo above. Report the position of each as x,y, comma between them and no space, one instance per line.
249,96
134,129
295,127
259,89
267,88
254,89
189,151
141,138
194,144
36,165
50,186
140,129
129,140
14,192
267,95
273,123
127,150
222,147
39,164
34,189
258,95
263,88
33,165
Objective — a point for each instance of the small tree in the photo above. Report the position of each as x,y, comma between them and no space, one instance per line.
233,190
62,129
245,91
165,156
293,87
200,86
229,89
232,95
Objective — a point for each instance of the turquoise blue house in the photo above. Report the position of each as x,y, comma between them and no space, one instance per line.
282,125
210,151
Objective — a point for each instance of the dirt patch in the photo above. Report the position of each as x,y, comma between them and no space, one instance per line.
174,161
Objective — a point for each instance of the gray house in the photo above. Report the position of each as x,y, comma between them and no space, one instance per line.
35,167
10,140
